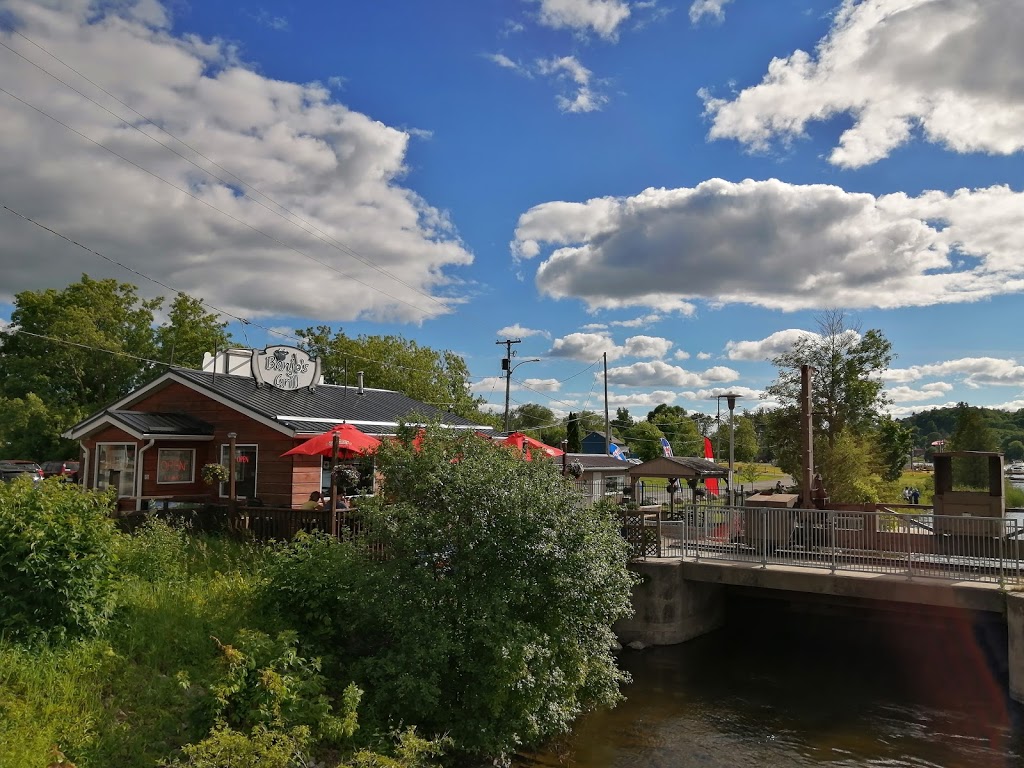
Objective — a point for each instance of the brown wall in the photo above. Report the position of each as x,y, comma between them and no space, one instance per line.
285,481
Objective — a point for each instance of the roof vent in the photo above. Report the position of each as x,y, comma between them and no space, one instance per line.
360,375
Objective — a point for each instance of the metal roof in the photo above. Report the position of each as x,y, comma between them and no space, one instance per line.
678,466
162,423
326,405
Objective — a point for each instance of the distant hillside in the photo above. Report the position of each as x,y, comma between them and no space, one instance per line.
938,424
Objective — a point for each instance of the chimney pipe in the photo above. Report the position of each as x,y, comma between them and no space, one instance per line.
360,375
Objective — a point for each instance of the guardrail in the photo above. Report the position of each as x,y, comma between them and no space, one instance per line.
914,544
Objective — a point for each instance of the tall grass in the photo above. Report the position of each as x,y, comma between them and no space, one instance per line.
136,695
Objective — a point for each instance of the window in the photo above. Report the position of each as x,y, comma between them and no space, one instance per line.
115,467
245,470
176,465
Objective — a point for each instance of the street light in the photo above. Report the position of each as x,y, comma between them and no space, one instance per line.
731,398
508,380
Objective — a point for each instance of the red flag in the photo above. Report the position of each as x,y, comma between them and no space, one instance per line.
710,483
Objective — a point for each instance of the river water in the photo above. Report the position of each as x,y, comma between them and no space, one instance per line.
784,685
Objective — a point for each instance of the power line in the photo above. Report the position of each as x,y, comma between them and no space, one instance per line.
211,206
318,233
85,346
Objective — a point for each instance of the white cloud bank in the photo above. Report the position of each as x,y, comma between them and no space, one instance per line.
976,372
588,347
602,17
951,69
777,245
713,8
335,168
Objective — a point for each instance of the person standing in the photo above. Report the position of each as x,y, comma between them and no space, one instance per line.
915,496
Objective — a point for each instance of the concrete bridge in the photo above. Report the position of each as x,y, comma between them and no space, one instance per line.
841,558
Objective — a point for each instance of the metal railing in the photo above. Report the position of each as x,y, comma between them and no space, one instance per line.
914,544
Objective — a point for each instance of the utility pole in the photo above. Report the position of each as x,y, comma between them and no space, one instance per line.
607,424
506,366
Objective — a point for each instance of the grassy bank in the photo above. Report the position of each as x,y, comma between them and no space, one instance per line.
136,695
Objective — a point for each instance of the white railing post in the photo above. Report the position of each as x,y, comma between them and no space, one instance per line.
764,539
831,517
910,561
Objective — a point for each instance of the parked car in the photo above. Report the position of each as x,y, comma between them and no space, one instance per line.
64,468
9,471
26,465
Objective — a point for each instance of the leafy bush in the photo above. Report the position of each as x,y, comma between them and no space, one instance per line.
56,560
489,617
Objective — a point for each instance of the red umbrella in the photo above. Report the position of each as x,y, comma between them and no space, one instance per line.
527,445
350,441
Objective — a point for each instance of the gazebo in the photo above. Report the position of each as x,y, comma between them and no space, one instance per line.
688,469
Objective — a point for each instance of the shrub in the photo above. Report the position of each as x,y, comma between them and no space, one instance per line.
490,617
56,560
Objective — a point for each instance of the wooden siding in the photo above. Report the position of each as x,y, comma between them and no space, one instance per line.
280,481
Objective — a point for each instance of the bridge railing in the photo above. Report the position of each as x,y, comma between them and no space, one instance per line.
914,544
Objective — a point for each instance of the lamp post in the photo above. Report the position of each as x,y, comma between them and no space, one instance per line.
232,470
731,399
508,381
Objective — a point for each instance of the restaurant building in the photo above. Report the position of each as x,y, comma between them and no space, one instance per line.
152,444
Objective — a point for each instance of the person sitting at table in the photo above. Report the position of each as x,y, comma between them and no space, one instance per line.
342,502
314,501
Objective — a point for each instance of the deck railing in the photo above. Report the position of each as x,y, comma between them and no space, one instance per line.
913,544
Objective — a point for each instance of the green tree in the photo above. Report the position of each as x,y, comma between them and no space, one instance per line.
676,425
190,332
440,378
491,618
29,429
971,433
895,442
1015,450
572,433
644,440
745,445
103,317
847,469
847,389
622,421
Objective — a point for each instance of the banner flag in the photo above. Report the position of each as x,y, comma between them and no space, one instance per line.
710,483
666,446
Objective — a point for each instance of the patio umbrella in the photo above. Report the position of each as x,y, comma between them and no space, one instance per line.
350,442
527,444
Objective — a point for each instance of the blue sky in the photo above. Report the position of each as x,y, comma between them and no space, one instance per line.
684,186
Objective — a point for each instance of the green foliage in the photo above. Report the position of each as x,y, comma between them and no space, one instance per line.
645,440
745,446
490,617
260,748
847,390
56,548
393,362
1015,450
971,433
47,385
894,443
573,433
189,333
847,469
679,428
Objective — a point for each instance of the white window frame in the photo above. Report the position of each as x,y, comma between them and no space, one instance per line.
135,468
223,490
159,463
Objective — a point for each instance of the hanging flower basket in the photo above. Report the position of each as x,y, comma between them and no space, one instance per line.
346,477
214,473
575,469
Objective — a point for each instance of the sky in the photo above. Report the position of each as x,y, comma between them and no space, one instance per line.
682,186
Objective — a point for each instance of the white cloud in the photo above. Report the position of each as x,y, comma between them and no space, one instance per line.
904,394
659,373
703,355
642,399
647,346
542,385
513,331
586,347
266,19
681,354
637,322
600,16
750,398
767,348
777,245
336,168
583,96
505,62
976,372
951,70
713,8
594,327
